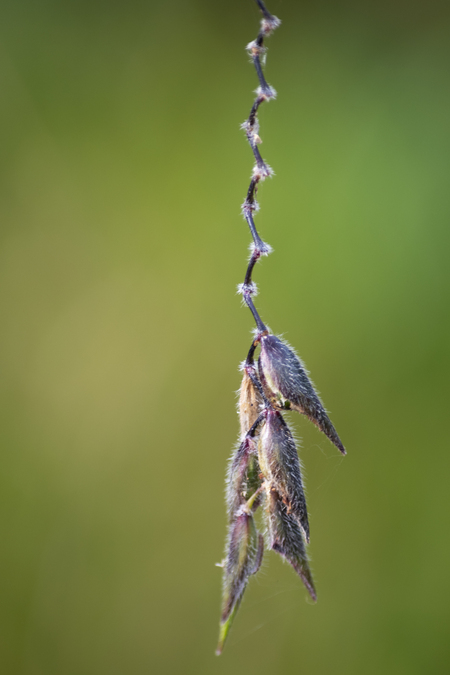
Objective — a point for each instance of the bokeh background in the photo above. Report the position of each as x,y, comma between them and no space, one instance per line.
122,171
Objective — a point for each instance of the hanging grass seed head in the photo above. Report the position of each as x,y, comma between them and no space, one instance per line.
264,470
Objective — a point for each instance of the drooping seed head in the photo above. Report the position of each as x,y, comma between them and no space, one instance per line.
250,403
279,463
286,539
243,477
287,385
244,556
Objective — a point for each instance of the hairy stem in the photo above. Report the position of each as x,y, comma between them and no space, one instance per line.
261,170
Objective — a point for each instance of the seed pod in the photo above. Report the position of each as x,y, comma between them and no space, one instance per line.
286,383
244,557
280,466
243,477
250,403
286,539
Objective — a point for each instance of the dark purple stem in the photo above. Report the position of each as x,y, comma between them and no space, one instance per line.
264,10
262,171
248,299
259,72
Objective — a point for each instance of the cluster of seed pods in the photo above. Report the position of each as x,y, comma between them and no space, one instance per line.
265,469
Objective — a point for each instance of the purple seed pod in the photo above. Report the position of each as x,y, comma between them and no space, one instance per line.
286,539
244,556
287,385
250,404
243,477
280,467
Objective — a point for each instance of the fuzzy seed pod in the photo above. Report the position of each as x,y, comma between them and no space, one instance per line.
243,477
244,557
287,385
265,467
286,539
280,466
250,404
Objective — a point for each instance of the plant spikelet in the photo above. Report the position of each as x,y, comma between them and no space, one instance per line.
287,385
250,404
243,476
280,466
286,539
244,556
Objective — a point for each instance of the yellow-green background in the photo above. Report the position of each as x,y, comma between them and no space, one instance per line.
122,170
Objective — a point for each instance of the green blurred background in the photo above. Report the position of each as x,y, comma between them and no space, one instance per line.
122,171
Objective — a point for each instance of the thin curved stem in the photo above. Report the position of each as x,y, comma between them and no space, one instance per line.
248,299
261,170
